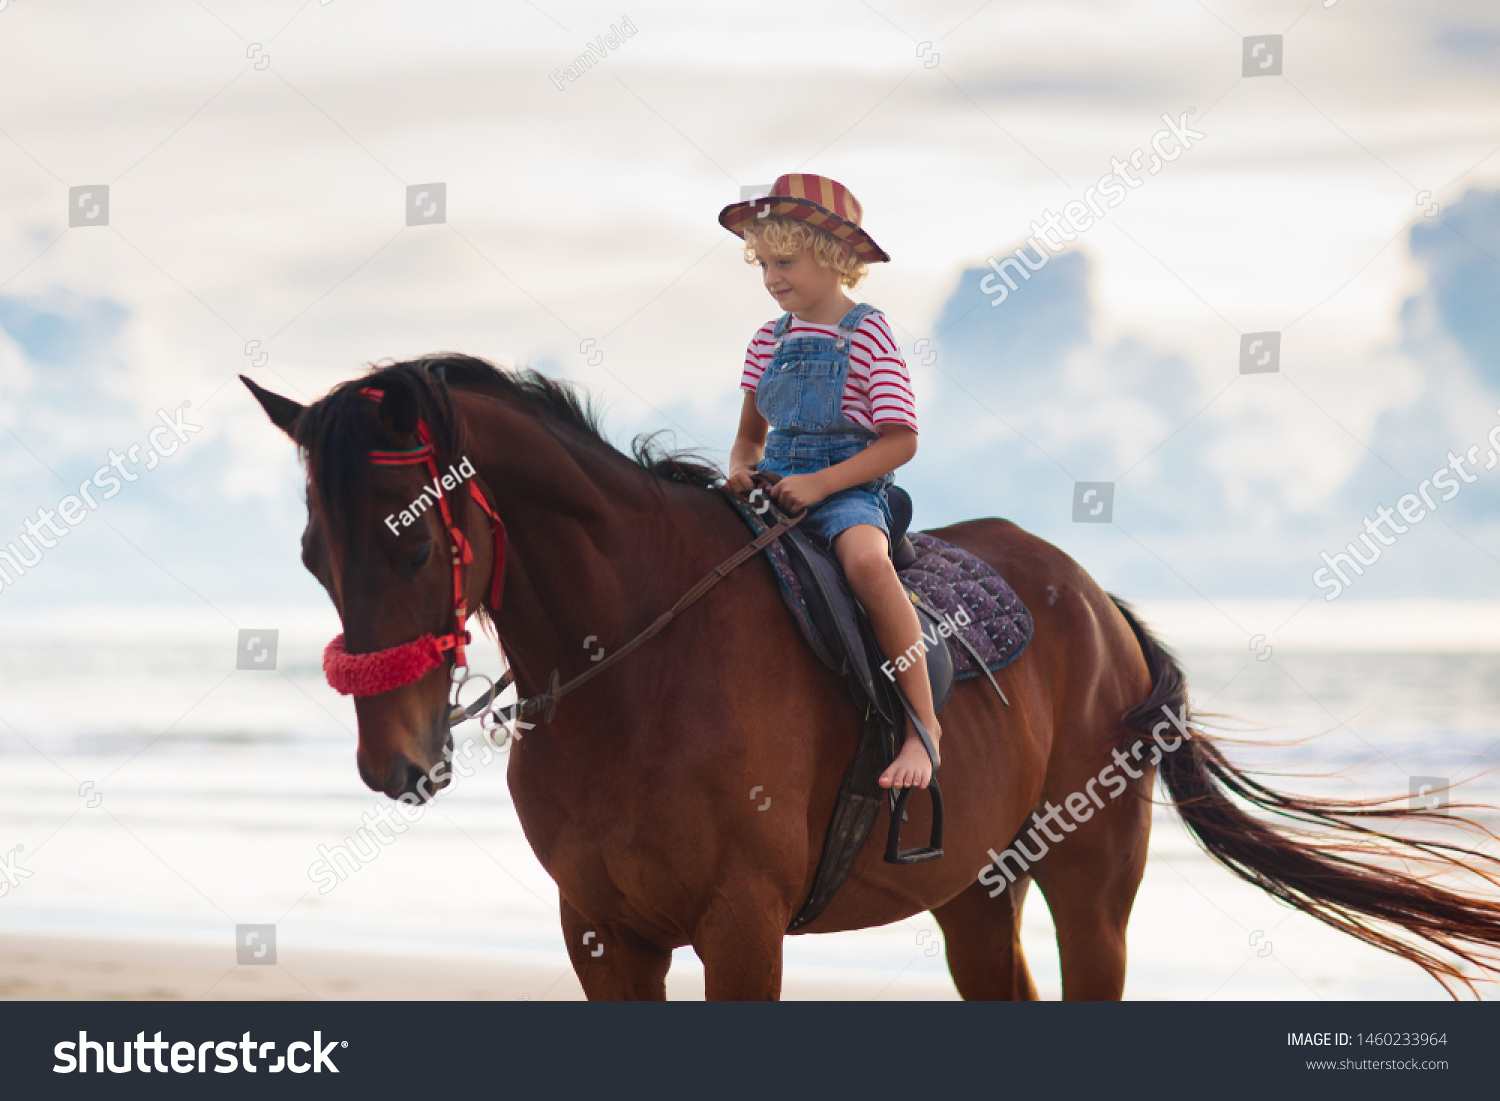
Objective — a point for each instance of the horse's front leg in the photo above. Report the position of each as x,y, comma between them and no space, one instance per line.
739,941
613,963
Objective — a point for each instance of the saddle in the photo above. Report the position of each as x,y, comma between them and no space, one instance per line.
839,633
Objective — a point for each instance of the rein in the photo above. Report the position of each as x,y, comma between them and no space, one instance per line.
555,691
385,670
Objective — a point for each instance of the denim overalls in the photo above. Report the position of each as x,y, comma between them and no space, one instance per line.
801,396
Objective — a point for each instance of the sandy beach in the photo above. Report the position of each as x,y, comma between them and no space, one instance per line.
61,969
138,851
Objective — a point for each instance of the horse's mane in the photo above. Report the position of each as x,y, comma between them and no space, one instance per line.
568,404
336,441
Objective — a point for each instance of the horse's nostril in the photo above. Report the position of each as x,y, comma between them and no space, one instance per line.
405,777
414,783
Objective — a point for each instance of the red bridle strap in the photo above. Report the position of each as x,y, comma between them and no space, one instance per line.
384,670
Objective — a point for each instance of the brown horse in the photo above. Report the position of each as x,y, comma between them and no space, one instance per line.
637,797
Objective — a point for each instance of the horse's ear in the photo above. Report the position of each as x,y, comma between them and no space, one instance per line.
400,409
282,411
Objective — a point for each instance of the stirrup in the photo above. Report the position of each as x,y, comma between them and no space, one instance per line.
933,850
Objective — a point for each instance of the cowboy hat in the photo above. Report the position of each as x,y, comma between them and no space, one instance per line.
820,202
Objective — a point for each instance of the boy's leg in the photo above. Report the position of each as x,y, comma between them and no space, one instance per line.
863,551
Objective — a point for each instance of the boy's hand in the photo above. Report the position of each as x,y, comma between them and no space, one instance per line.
739,480
798,492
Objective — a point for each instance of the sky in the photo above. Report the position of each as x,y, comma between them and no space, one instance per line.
258,157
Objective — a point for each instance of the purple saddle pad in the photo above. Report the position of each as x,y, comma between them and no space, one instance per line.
962,587
952,582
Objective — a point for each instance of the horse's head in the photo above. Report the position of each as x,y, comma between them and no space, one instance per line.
402,559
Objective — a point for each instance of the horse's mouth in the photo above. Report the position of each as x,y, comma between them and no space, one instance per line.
409,781
406,777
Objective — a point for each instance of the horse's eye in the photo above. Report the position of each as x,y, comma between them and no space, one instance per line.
418,559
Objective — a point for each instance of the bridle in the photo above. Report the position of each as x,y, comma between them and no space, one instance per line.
389,669
386,670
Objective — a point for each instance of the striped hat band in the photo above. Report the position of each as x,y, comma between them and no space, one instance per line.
826,204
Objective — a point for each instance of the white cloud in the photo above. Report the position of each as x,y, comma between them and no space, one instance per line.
247,212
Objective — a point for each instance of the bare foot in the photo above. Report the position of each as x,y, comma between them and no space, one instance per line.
912,767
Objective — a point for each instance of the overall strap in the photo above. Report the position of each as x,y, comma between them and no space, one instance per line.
781,326
853,319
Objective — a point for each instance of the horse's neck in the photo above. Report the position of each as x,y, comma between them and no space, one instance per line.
594,549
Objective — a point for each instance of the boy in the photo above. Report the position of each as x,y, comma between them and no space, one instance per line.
827,381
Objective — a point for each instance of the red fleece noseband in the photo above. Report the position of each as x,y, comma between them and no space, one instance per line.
381,671
387,670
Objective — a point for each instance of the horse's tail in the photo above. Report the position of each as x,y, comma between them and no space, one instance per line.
1341,874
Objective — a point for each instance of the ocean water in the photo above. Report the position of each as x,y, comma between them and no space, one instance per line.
159,794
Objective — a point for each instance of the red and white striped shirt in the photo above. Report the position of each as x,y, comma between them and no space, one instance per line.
878,390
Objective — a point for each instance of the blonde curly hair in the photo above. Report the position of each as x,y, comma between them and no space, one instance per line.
787,237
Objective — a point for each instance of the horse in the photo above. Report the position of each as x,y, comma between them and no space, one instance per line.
682,796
